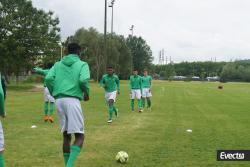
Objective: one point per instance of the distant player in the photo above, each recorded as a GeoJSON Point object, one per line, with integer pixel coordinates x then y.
{"type": "Point", "coordinates": [135, 90]}
{"type": "Point", "coordinates": [146, 89]}
{"type": "Point", "coordinates": [49, 101]}
{"type": "Point", "coordinates": [68, 82]}
{"type": "Point", "coordinates": [2, 114]}
{"type": "Point", "coordinates": [110, 82]}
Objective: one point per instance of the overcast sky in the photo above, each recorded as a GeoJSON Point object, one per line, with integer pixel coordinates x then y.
{"type": "Point", "coordinates": [188, 30]}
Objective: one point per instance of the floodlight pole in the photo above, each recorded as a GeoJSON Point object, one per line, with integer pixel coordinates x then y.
{"type": "Point", "coordinates": [61, 46]}
{"type": "Point", "coordinates": [132, 30]}
{"type": "Point", "coordinates": [112, 18]}
{"type": "Point", "coordinates": [105, 34]}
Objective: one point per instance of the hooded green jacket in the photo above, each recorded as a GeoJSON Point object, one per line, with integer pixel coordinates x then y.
{"type": "Point", "coordinates": [2, 111]}
{"type": "Point", "coordinates": [69, 78]}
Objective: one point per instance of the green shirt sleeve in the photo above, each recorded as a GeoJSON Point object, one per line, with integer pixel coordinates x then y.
{"type": "Point", "coordinates": [50, 79]}
{"type": "Point", "coordinates": [41, 71]}
{"type": "Point", "coordinates": [84, 79]}
{"type": "Point", "coordinates": [118, 83]}
{"type": "Point", "coordinates": [140, 83]}
{"type": "Point", "coordinates": [3, 86]}
{"type": "Point", "coordinates": [2, 110]}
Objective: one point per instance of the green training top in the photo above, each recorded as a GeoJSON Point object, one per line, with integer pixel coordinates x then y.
{"type": "Point", "coordinates": [42, 72]}
{"type": "Point", "coordinates": [110, 83]}
{"type": "Point", "coordinates": [135, 82]}
{"type": "Point", "coordinates": [69, 78]}
{"type": "Point", "coordinates": [2, 111]}
{"type": "Point", "coordinates": [146, 81]}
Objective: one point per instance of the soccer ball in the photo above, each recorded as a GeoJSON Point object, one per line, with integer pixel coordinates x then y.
{"type": "Point", "coordinates": [121, 157]}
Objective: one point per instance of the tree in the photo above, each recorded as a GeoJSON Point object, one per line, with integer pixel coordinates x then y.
{"type": "Point", "coordinates": [141, 52]}
{"type": "Point", "coordinates": [26, 35]}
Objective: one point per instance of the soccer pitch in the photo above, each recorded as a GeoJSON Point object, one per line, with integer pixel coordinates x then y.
{"type": "Point", "coordinates": [219, 119]}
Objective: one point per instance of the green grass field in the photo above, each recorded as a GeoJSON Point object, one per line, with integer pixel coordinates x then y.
{"type": "Point", "coordinates": [220, 119]}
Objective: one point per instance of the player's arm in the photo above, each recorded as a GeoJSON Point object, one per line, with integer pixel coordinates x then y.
{"type": "Point", "coordinates": [41, 71]}
{"type": "Point", "coordinates": [151, 83]}
{"type": "Point", "coordinates": [50, 79]}
{"type": "Point", "coordinates": [4, 87]}
{"type": "Point", "coordinates": [118, 84]}
{"type": "Point", "coordinates": [2, 111]}
{"type": "Point", "coordinates": [84, 81]}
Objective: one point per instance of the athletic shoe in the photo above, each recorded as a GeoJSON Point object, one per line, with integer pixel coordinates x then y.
{"type": "Point", "coordinates": [51, 119]}
{"type": "Point", "coordinates": [110, 121]}
{"type": "Point", "coordinates": [46, 118]}
{"type": "Point", "coordinates": [133, 110]}
{"type": "Point", "coordinates": [141, 110]}
{"type": "Point", "coordinates": [116, 113]}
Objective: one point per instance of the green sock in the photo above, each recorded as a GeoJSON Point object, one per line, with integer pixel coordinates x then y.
{"type": "Point", "coordinates": [111, 109]}
{"type": "Point", "coordinates": [149, 103]}
{"type": "Point", "coordinates": [143, 102]}
{"type": "Point", "coordinates": [114, 109]}
{"type": "Point", "coordinates": [132, 104]}
{"type": "Point", "coordinates": [1, 160]}
{"type": "Point", "coordinates": [74, 152]}
{"type": "Point", "coordinates": [140, 104]}
{"type": "Point", "coordinates": [66, 158]}
{"type": "Point", "coordinates": [46, 108]}
{"type": "Point", "coordinates": [52, 108]}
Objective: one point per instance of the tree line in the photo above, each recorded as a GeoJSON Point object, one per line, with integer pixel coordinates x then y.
{"type": "Point", "coordinates": [227, 71]}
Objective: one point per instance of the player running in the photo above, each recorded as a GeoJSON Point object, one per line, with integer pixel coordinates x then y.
{"type": "Point", "coordinates": [135, 90]}
{"type": "Point", "coordinates": [110, 82]}
{"type": "Point", "coordinates": [146, 89]}
{"type": "Point", "coordinates": [68, 82]}
{"type": "Point", "coordinates": [2, 114]}
{"type": "Point", "coordinates": [49, 101]}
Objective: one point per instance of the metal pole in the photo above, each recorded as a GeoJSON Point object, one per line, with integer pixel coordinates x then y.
{"type": "Point", "coordinates": [132, 30]}
{"type": "Point", "coordinates": [112, 21]}
{"type": "Point", "coordinates": [105, 34]}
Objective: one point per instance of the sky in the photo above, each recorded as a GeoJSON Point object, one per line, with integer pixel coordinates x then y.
{"type": "Point", "coordinates": [187, 30]}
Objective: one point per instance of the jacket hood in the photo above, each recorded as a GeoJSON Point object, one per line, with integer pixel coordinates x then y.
{"type": "Point", "coordinates": [70, 59]}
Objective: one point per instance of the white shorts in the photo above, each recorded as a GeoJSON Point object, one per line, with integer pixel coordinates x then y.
{"type": "Point", "coordinates": [70, 115]}
{"type": "Point", "coordinates": [47, 96]}
{"type": "Point", "coordinates": [146, 92]}
{"type": "Point", "coordinates": [110, 96]}
{"type": "Point", "coordinates": [135, 93]}
{"type": "Point", "coordinates": [1, 138]}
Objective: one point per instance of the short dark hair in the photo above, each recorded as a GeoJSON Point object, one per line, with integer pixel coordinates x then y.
{"type": "Point", "coordinates": [135, 69]}
{"type": "Point", "coordinates": [109, 67]}
{"type": "Point", "coordinates": [73, 48]}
